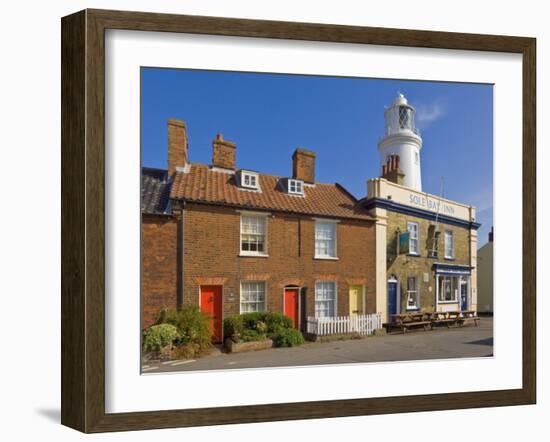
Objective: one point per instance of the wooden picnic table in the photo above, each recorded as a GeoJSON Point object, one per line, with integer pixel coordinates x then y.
{"type": "Point", "coordinates": [468, 315]}
{"type": "Point", "coordinates": [454, 317]}
{"type": "Point", "coordinates": [444, 318]}
{"type": "Point", "coordinates": [405, 321]}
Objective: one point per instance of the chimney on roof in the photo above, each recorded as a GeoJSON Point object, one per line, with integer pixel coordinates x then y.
{"type": "Point", "coordinates": [303, 165]}
{"type": "Point", "coordinates": [223, 153]}
{"type": "Point", "coordinates": [491, 235]}
{"type": "Point", "coordinates": [392, 170]}
{"type": "Point", "coordinates": [177, 145]}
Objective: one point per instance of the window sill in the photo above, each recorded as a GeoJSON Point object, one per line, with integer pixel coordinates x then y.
{"type": "Point", "coordinates": [416, 255]}
{"type": "Point", "coordinates": [448, 302]}
{"type": "Point", "coordinates": [410, 309]}
{"type": "Point", "coordinates": [448, 258]}
{"type": "Point", "coordinates": [253, 255]}
{"type": "Point", "coordinates": [329, 258]}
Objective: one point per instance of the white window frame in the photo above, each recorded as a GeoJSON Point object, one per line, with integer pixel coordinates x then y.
{"type": "Point", "coordinates": [295, 187]}
{"type": "Point", "coordinates": [263, 216]}
{"type": "Point", "coordinates": [264, 302]}
{"type": "Point", "coordinates": [454, 289]}
{"type": "Point", "coordinates": [334, 300]}
{"type": "Point", "coordinates": [252, 176]}
{"type": "Point", "coordinates": [412, 239]}
{"type": "Point", "coordinates": [449, 234]}
{"type": "Point", "coordinates": [334, 223]}
{"type": "Point", "coordinates": [416, 293]}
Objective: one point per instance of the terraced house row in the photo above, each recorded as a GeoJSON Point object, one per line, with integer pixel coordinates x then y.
{"type": "Point", "coordinates": [234, 240]}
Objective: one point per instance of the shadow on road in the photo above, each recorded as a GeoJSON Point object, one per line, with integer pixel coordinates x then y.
{"type": "Point", "coordinates": [488, 341]}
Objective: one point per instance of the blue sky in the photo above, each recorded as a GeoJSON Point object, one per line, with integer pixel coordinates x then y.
{"type": "Point", "coordinates": [342, 119]}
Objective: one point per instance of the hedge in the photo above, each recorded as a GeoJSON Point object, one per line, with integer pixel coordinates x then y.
{"type": "Point", "coordinates": [260, 325]}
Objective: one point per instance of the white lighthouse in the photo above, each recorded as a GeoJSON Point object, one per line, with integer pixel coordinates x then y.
{"type": "Point", "coordinates": [402, 138]}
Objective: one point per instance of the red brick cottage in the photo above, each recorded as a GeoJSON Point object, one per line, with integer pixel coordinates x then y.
{"type": "Point", "coordinates": [233, 240]}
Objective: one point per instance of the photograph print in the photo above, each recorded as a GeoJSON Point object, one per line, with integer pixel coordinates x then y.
{"type": "Point", "coordinates": [302, 220]}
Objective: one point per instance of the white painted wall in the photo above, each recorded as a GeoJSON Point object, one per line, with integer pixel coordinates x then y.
{"type": "Point", "coordinates": [30, 156]}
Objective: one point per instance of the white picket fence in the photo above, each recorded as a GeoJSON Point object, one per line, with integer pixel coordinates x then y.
{"type": "Point", "coordinates": [336, 325]}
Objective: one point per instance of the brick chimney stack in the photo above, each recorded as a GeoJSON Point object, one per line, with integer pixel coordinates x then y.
{"type": "Point", "coordinates": [303, 165]}
{"type": "Point", "coordinates": [392, 170]}
{"type": "Point", "coordinates": [223, 153]}
{"type": "Point", "coordinates": [177, 145]}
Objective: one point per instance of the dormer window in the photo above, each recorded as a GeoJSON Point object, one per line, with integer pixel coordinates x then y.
{"type": "Point", "coordinates": [295, 187]}
{"type": "Point", "coordinates": [249, 180]}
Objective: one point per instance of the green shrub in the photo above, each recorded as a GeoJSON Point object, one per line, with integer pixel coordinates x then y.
{"type": "Point", "coordinates": [255, 325]}
{"type": "Point", "coordinates": [252, 335]}
{"type": "Point", "coordinates": [263, 323]}
{"type": "Point", "coordinates": [288, 338]}
{"type": "Point", "coordinates": [277, 322]}
{"type": "Point", "coordinates": [261, 327]}
{"type": "Point", "coordinates": [159, 336]}
{"type": "Point", "coordinates": [233, 326]}
{"type": "Point", "coordinates": [251, 320]}
{"type": "Point", "coordinates": [192, 324]}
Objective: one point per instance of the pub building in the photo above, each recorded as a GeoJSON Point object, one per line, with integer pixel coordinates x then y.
{"type": "Point", "coordinates": [426, 245]}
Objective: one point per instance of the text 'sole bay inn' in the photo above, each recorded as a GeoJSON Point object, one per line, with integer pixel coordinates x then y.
{"type": "Point", "coordinates": [235, 240]}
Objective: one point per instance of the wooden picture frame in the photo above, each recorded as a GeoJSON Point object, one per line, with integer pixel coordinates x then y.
{"type": "Point", "coordinates": [83, 220]}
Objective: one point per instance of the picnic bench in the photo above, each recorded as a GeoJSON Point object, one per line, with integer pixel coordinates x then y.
{"type": "Point", "coordinates": [444, 318]}
{"type": "Point", "coordinates": [468, 315]}
{"type": "Point", "coordinates": [406, 321]}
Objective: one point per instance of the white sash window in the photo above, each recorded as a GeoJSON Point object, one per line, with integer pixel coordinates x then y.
{"type": "Point", "coordinates": [449, 244]}
{"type": "Point", "coordinates": [325, 299]}
{"type": "Point", "coordinates": [413, 238]}
{"type": "Point", "coordinates": [325, 239]}
{"type": "Point", "coordinates": [252, 296]}
{"type": "Point", "coordinates": [253, 235]}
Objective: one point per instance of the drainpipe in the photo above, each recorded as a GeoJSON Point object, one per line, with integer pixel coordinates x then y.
{"type": "Point", "coordinates": [179, 258]}
{"type": "Point", "coordinates": [436, 292]}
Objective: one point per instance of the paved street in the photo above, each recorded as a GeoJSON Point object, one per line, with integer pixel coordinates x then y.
{"type": "Point", "coordinates": [441, 343]}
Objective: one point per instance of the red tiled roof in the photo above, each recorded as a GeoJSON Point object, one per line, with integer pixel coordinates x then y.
{"type": "Point", "coordinates": [205, 185]}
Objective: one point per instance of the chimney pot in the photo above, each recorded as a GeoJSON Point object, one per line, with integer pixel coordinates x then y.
{"type": "Point", "coordinates": [391, 170]}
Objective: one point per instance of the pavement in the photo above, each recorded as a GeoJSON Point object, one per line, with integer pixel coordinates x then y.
{"type": "Point", "coordinates": [441, 343]}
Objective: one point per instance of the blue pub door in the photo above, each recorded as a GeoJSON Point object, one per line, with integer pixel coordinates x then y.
{"type": "Point", "coordinates": [392, 298]}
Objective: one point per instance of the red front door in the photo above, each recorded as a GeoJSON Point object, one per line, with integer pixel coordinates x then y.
{"type": "Point", "coordinates": [291, 305]}
{"type": "Point", "coordinates": [211, 304]}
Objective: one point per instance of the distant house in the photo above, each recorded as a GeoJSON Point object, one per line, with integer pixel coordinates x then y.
{"type": "Point", "coordinates": [485, 277]}
{"type": "Point", "coordinates": [234, 240]}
